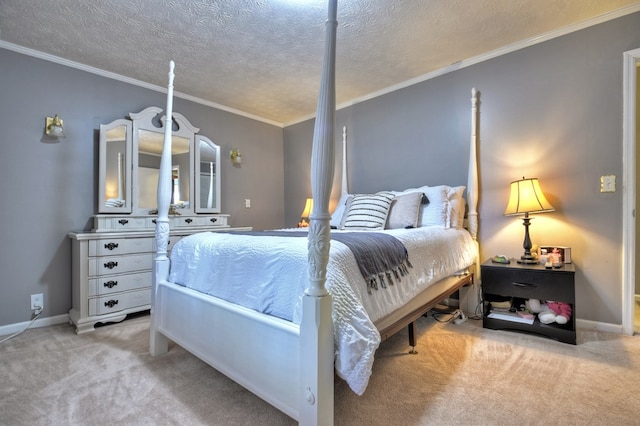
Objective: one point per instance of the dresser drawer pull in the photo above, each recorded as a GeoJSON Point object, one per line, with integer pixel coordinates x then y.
{"type": "Point", "coordinates": [154, 221]}
{"type": "Point", "coordinates": [111, 303]}
{"type": "Point", "coordinates": [111, 284]}
{"type": "Point", "coordinates": [188, 220]}
{"type": "Point", "coordinates": [517, 284]}
{"type": "Point", "coordinates": [123, 221]}
{"type": "Point", "coordinates": [111, 246]}
{"type": "Point", "coordinates": [213, 219]}
{"type": "Point", "coordinates": [111, 265]}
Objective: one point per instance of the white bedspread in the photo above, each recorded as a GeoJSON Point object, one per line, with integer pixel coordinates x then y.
{"type": "Point", "coordinates": [269, 274]}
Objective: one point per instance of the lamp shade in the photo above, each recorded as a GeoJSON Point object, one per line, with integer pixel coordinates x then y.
{"type": "Point", "coordinates": [527, 197]}
{"type": "Point", "coordinates": [307, 209]}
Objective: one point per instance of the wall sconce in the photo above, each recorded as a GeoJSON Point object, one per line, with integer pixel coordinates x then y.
{"type": "Point", "coordinates": [236, 157]}
{"type": "Point", "coordinates": [304, 217]}
{"type": "Point", "coordinates": [53, 127]}
{"type": "Point", "coordinates": [527, 197]}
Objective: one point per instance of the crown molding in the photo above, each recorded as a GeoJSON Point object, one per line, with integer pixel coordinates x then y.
{"type": "Point", "coordinates": [108, 74]}
{"type": "Point", "coordinates": [487, 56]}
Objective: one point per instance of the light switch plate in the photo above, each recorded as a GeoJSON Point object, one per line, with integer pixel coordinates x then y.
{"type": "Point", "coordinates": [608, 183]}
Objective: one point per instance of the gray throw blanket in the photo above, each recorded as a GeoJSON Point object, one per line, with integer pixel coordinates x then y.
{"type": "Point", "coordinates": [381, 258]}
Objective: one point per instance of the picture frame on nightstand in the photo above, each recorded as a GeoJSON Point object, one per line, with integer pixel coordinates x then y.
{"type": "Point", "coordinates": [563, 251]}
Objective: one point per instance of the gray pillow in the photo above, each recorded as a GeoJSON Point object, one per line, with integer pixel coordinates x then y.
{"type": "Point", "coordinates": [405, 211]}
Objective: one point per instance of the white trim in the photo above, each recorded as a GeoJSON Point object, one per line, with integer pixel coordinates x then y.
{"type": "Point", "coordinates": [598, 326]}
{"type": "Point", "coordinates": [631, 61]}
{"type": "Point", "coordinates": [635, 7]}
{"type": "Point", "coordinates": [8, 329]}
{"type": "Point", "coordinates": [128, 80]}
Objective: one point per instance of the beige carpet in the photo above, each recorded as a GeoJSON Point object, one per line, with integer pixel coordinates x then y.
{"type": "Point", "coordinates": [463, 375]}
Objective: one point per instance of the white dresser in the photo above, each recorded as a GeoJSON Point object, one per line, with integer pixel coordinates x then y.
{"type": "Point", "coordinates": [111, 265]}
{"type": "Point", "coordinates": [111, 273]}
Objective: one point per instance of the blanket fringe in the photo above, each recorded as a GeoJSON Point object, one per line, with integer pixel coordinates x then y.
{"type": "Point", "coordinates": [390, 277]}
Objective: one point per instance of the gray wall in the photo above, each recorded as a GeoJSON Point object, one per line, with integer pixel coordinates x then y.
{"type": "Point", "coordinates": [48, 189]}
{"type": "Point", "coordinates": [552, 111]}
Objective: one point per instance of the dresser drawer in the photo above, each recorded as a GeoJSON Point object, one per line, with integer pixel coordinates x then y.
{"type": "Point", "coordinates": [108, 265]}
{"type": "Point", "coordinates": [119, 301]}
{"type": "Point", "coordinates": [118, 246]}
{"type": "Point", "coordinates": [120, 223]}
{"type": "Point", "coordinates": [529, 284]}
{"type": "Point", "coordinates": [178, 222]}
{"type": "Point", "coordinates": [117, 283]}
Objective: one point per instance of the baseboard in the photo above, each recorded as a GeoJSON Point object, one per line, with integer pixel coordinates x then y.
{"type": "Point", "coordinates": [599, 326]}
{"type": "Point", "coordinates": [61, 319]}
{"type": "Point", "coordinates": [5, 330]}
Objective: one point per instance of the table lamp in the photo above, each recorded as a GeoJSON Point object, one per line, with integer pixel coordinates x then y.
{"type": "Point", "coordinates": [308, 207]}
{"type": "Point", "coordinates": [527, 197]}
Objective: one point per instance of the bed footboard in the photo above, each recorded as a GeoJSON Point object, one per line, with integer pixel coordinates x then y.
{"type": "Point", "coordinates": [258, 351]}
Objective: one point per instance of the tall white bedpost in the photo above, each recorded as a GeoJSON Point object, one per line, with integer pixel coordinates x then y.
{"type": "Point", "coordinates": [472, 179]}
{"type": "Point", "coordinates": [345, 183]}
{"type": "Point", "coordinates": [471, 296]}
{"type": "Point", "coordinates": [316, 327]}
{"type": "Point", "coordinates": [158, 343]}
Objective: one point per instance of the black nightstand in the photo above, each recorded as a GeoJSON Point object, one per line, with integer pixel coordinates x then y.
{"type": "Point", "coordinates": [500, 281]}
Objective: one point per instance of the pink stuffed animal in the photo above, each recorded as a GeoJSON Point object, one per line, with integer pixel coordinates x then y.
{"type": "Point", "coordinates": [558, 312]}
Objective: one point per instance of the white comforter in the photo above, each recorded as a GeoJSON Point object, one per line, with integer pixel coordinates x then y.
{"type": "Point", "coordinates": [269, 274]}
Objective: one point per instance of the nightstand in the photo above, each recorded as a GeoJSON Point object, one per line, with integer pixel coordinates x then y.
{"type": "Point", "coordinates": [514, 280]}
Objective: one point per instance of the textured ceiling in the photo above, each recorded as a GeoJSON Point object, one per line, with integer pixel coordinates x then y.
{"type": "Point", "coordinates": [263, 57]}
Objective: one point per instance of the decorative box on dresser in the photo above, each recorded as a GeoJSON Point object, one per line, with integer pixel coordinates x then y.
{"type": "Point", "coordinates": [500, 281]}
{"type": "Point", "coordinates": [111, 271]}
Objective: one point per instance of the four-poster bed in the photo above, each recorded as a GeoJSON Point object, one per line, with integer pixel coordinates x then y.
{"type": "Point", "coordinates": [289, 362]}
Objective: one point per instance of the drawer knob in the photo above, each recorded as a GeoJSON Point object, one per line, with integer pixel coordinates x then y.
{"type": "Point", "coordinates": [111, 284]}
{"type": "Point", "coordinates": [111, 265]}
{"type": "Point", "coordinates": [123, 221]}
{"type": "Point", "coordinates": [188, 220]}
{"type": "Point", "coordinates": [111, 246]}
{"type": "Point", "coordinates": [154, 221]}
{"type": "Point", "coordinates": [111, 303]}
{"type": "Point", "coordinates": [213, 219]}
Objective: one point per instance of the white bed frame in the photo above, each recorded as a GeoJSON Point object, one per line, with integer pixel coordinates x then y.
{"type": "Point", "coordinates": [288, 365]}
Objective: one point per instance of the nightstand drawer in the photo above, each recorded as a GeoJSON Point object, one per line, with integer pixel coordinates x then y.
{"type": "Point", "coordinates": [547, 284]}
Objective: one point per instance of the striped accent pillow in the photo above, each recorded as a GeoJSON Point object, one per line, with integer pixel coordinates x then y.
{"type": "Point", "coordinates": [368, 211]}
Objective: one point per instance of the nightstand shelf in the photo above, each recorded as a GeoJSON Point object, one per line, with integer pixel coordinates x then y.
{"type": "Point", "coordinates": [514, 280]}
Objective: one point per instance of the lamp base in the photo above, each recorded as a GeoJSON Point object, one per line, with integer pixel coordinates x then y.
{"type": "Point", "coordinates": [527, 259]}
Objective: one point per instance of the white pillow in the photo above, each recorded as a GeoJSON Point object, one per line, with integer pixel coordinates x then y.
{"type": "Point", "coordinates": [338, 213]}
{"type": "Point", "coordinates": [404, 211]}
{"type": "Point", "coordinates": [434, 211]}
{"type": "Point", "coordinates": [368, 211]}
{"type": "Point", "coordinates": [456, 207]}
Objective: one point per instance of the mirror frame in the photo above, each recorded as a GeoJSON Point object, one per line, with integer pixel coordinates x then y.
{"type": "Point", "coordinates": [143, 120]}
{"type": "Point", "coordinates": [103, 166]}
{"type": "Point", "coordinates": [197, 173]}
{"type": "Point", "coordinates": [151, 120]}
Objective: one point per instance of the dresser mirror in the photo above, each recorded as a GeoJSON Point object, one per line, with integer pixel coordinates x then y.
{"type": "Point", "coordinates": [130, 153]}
{"type": "Point", "coordinates": [207, 180]}
{"type": "Point", "coordinates": [115, 167]}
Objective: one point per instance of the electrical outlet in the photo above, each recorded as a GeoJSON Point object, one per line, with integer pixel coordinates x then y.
{"type": "Point", "coordinates": [37, 302]}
